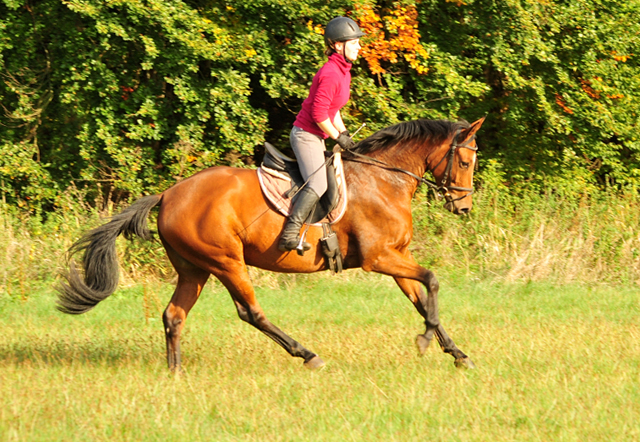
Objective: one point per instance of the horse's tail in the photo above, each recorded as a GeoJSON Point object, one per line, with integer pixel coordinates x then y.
{"type": "Point", "coordinates": [80, 294]}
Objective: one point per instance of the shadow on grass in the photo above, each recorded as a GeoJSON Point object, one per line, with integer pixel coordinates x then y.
{"type": "Point", "coordinates": [104, 352]}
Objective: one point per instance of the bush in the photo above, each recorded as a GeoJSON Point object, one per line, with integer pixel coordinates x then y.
{"type": "Point", "coordinates": [123, 98]}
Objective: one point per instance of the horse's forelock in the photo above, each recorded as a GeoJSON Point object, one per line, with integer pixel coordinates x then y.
{"type": "Point", "coordinates": [410, 131]}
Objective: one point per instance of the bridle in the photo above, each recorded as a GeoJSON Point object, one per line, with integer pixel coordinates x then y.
{"type": "Point", "coordinates": [442, 189]}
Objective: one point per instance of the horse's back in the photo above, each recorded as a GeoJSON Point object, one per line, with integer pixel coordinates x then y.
{"type": "Point", "coordinates": [214, 186]}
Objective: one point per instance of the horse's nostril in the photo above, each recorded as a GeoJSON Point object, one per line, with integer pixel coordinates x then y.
{"type": "Point", "coordinates": [464, 210]}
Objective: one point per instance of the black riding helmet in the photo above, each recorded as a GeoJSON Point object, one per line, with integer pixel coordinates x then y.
{"type": "Point", "coordinates": [341, 29]}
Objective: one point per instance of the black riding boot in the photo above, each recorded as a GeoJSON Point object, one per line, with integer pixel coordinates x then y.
{"type": "Point", "coordinates": [290, 237]}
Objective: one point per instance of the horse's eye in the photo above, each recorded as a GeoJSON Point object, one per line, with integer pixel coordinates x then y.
{"type": "Point", "coordinates": [464, 164]}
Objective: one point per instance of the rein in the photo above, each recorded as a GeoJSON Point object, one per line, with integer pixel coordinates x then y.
{"type": "Point", "coordinates": [443, 188]}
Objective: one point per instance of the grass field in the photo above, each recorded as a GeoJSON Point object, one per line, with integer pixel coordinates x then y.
{"type": "Point", "coordinates": [554, 363]}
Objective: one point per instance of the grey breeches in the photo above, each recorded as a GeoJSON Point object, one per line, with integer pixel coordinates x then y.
{"type": "Point", "coordinates": [309, 150]}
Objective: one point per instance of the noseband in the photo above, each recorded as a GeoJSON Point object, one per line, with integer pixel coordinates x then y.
{"type": "Point", "coordinates": [442, 189]}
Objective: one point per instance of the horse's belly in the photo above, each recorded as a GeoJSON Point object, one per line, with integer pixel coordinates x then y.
{"type": "Point", "coordinates": [261, 250]}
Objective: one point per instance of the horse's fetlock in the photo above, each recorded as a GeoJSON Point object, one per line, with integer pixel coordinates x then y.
{"type": "Point", "coordinates": [431, 323]}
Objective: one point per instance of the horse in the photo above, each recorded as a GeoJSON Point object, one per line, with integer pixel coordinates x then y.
{"type": "Point", "coordinates": [217, 222]}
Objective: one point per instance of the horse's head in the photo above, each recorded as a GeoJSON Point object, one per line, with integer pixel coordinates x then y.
{"type": "Point", "coordinates": [454, 171]}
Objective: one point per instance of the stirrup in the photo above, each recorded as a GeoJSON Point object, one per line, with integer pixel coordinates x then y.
{"type": "Point", "coordinates": [295, 244]}
{"type": "Point", "coordinates": [303, 246]}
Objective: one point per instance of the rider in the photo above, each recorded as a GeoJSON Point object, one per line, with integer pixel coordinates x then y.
{"type": "Point", "coordinates": [320, 119]}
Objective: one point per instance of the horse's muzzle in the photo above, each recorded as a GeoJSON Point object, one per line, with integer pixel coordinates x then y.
{"type": "Point", "coordinates": [457, 207]}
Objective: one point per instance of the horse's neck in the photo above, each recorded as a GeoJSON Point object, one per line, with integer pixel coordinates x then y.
{"type": "Point", "coordinates": [363, 170]}
{"type": "Point", "coordinates": [408, 157]}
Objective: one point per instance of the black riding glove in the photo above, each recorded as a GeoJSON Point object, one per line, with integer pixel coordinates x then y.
{"type": "Point", "coordinates": [345, 141]}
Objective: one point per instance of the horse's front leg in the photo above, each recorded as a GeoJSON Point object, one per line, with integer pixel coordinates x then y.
{"type": "Point", "coordinates": [412, 280]}
{"type": "Point", "coordinates": [427, 306]}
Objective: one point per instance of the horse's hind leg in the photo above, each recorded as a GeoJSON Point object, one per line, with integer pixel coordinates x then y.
{"type": "Point", "coordinates": [427, 306]}
{"type": "Point", "coordinates": [236, 280]}
{"type": "Point", "coordinates": [188, 289]}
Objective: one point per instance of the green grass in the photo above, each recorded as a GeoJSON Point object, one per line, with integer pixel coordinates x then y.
{"type": "Point", "coordinates": [557, 363]}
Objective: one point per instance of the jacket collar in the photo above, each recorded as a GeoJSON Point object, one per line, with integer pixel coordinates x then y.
{"type": "Point", "coordinates": [341, 62]}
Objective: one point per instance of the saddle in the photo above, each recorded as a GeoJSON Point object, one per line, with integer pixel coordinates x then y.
{"type": "Point", "coordinates": [280, 181]}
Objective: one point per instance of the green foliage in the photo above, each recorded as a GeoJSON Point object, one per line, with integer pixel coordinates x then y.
{"type": "Point", "coordinates": [124, 97]}
{"type": "Point", "coordinates": [563, 102]}
{"type": "Point", "coordinates": [129, 93]}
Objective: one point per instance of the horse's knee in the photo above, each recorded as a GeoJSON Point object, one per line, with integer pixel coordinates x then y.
{"type": "Point", "coordinates": [260, 319]}
{"type": "Point", "coordinates": [172, 322]}
{"type": "Point", "coordinates": [431, 282]}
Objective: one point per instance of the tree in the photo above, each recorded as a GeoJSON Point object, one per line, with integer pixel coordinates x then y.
{"type": "Point", "coordinates": [127, 96]}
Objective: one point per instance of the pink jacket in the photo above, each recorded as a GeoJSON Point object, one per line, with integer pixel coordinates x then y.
{"type": "Point", "coordinates": [329, 92]}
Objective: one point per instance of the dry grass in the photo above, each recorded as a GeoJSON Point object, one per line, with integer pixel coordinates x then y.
{"type": "Point", "coordinates": [534, 238]}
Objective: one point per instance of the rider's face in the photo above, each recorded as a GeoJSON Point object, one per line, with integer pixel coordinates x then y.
{"type": "Point", "coordinates": [351, 49]}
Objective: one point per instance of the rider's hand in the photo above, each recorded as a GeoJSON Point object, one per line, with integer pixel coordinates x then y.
{"type": "Point", "coordinates": [345, 141]}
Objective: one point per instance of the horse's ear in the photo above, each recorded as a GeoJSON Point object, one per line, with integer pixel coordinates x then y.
{"type": "Point", "coordinates": [471, 131]}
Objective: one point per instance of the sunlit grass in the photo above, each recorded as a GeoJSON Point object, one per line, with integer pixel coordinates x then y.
{"type": "Point", "coordinates": [553, 363]}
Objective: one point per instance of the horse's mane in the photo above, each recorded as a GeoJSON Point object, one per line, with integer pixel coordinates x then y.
{"type": "Point", "coordinates": [414, 131]}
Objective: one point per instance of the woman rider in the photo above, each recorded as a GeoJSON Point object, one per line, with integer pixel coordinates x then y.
{"type": "Point", "coordinates": [320, 119]}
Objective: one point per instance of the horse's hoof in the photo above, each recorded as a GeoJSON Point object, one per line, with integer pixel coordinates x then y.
{"type": "Point", "coordinates": [465, 363]}
{"type": "Point", "coordinates": [422, 343]}
{"type": "Point", "coordinates": [314, 363]}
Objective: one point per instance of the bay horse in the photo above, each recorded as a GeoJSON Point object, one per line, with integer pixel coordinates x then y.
{"type": "Point", "coordinates": [217, 222]}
